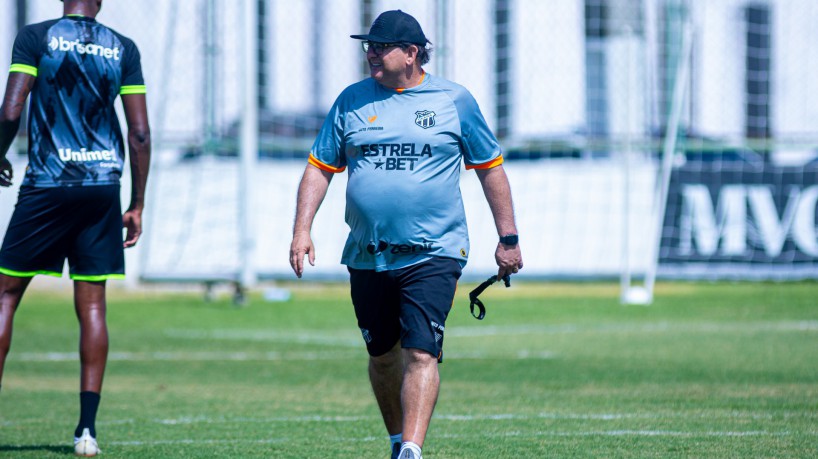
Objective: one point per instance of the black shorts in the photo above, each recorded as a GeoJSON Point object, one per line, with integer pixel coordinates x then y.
{"type": "Point", "coordinates": [80, 224]}
{"type": "Point", "coordinates": [408, 304]}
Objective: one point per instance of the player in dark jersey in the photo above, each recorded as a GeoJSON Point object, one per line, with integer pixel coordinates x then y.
{"type": "Point", "coordinates": [69, 202]}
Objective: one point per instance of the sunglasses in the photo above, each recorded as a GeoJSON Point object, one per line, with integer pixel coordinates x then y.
{"type": "Point", "coordinates": [378, 48]}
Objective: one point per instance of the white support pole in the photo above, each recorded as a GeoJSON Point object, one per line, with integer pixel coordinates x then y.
{"type": "Point", "coordinates": [157, 138]}
{"type": "Point", "coordinates": [668, 151]}
{"type": "Point", "coordinates": [211, 52]}
{"type": "Point", "coordinates": [441, 53]}
{"type": "Point", "coordinates": [248, 143]}
{"type": "Point", "coordinates": [626, 275]}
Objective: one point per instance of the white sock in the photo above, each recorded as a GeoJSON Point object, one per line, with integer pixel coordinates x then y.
{"type": "Point", "coordinates": [412, 446]}
{"type": "Point", "coordinates": [394, 439]}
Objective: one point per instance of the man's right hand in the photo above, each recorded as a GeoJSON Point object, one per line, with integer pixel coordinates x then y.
{"type": "Point", "coordinates": [301, 245]}
{"type": "Point", "coordinates": [6, 172]}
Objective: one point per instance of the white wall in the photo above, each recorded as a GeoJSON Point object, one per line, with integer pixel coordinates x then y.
{"type": "Point", "coordinates": [570, 219]}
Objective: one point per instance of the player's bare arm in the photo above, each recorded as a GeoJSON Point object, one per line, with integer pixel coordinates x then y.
{"type": "Point", "coordinates": [311, 193]}
{"type": "Point", "coordinates": [498, 194]}
{"type": "Point", "coordinates": [17, 89]}
{"type": "Point", "coordinates": [139, 147]}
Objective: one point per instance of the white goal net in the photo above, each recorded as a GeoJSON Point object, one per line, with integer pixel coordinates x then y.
{"type": "Point", "coordinates": [579, 92]}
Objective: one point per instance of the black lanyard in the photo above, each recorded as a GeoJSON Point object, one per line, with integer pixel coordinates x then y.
{"type": "Point", "coordinates": [477, 291]}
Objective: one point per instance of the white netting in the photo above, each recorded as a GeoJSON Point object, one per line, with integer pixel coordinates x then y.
{"type": "Point", "coordinates": [579, 92]}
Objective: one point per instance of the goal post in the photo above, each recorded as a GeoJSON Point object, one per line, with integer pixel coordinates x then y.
{"type": "Point", "coordinates": [633, 294]}
{"type": "Point", "coordinates": [248, 150]}
{"type": "Point", "coordinates": [668, 152]}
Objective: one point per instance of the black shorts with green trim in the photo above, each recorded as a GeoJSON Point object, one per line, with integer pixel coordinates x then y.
{"type": "Point", "coordinates": [410, 304]}
{"type": "Point", "coordinates": [80, 224]}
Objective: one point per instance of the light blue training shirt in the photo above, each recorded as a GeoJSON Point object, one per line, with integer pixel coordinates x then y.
{"type": "Point", "coordinates": [402, 149]}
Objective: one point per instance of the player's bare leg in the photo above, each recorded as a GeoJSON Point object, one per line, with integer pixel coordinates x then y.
{"type": "Point", "coordinates": [11, 291]}
{"type": "Point", "coordinates": [421, 383]}
{"type": "Point", "coordinates": [386, 376]}
{"type": "Point", "coordinates": [90, 306]}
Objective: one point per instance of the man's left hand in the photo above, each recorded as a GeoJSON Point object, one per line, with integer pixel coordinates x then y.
{"type": "Point", "coordinates": [509, 259]}
{"type": "Point", "coordinates": [132, 222]}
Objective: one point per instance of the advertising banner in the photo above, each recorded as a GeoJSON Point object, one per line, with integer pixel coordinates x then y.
{"type": "Point", "coordinates": [741, 219]}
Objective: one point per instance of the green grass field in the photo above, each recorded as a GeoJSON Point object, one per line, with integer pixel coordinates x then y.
{"type": "Point", "coordinates": [555, 370]}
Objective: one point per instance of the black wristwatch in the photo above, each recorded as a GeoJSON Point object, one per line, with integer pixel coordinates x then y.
{"type": "Point", "coordinates": [510, 239]}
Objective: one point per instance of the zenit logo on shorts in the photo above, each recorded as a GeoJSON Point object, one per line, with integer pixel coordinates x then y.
{"type": "Point", "coordinates": [81, 68]}
{"type": "Point", "coordinates": [404, 151]}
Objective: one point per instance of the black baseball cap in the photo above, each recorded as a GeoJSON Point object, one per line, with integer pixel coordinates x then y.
{"type": "Point", "coordinates": [395, 27]}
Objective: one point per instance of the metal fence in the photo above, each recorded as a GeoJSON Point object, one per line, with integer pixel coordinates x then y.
{"type": "Point", "coordinates": [578, 91]}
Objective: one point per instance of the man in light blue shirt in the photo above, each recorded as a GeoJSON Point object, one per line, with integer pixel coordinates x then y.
{"type": "Point", "coordinates": [402, 134]}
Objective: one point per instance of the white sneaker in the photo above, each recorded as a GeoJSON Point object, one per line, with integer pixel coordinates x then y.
{"type": "Point", "coordinates": [86, 445]}
{"type": "Point", "coordinates": [409, 454]}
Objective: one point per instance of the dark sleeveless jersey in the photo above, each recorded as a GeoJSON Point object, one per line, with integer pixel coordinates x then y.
{"type": "Point", "coordinates": [81, 67]}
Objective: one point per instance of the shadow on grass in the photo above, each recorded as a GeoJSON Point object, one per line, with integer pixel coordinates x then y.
{"type": "Point", "coordinates": [61, 449]}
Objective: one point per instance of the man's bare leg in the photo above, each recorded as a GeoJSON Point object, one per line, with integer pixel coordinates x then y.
{"type": "Point", "coordinates": [386, 377]}
{"type": "Point", "coordinates": [90, 306]}
{"type": "Point", "coordinates": [421, 383]}
{"type": "Point", "coordinates": [11, 291]}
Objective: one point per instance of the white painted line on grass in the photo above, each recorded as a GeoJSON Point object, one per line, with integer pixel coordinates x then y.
{"type": "Point", "coordinates": [350, 339]}
{"type": "Point", "coordinates": [343, 419]}
{"type": "Point", "coordinates": [204, 441]}
{"type": "Point", "coordinates": [203, 419]}
{"type": "Point", "coordinates": [181, 356]}
{"type": "Point", "coordinates": [263, 420]}
{"type": "Point", "coordinates": [294, 356]}
{"type": "Point", "coordinates": [516, 417]}
{"type": "Point", "coordinates": [634, 433]}
{"type": "Point", "coordinates": [484, 417]}
{"type": "Point", "coordinates": [657, 327]}
{"type": "Point", "coordinates": [483, 435]}
{"type": "Point", "coordinates": [515, 434]}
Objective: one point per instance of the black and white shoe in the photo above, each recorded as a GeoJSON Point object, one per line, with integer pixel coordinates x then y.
{"type": "Point", "coordinates": [85, 445]}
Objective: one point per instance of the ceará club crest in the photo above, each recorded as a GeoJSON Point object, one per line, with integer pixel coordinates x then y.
{"type": "Point", "coordinates": [425, 118]}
